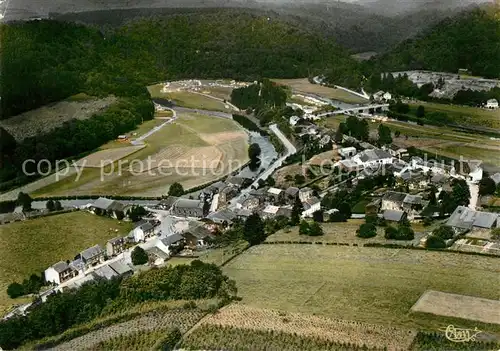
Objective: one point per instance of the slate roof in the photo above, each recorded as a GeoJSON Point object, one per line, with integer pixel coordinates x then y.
{"type": "Point", "coordinates": [188, 203]}
{"type": "Point", "coordinates": [243, 212]}
{"type": "Point", "coordinates": [172, 239]}
{"type": "Point", "coordinates": [120, 268]}
{"type": "Point", "coordinates": [438, 178]}
{"type": "Point", "coordinates": [393, 216]}
{"type": "Point", "coordinates": [105, 272]}
{"type": "Point", "coordinates": [169, 201]}
{"type": "Point", "coordinates": [292, 191]}
{"type": "Point", "coordinates": [103, 203]}
{"type": "Point", "coordinates": [394, 196]}
{"type": "Point", "coordinates": [373, 155]}
{"type": "Point", "coordinates": [466, 218]}
{"type": "Point", "coordinates": [77, 264]}
{"type": "Point", "coordinates": [239, 181]}
{"type": "Point", "coordinates": [91, 252]}
{"type": "Point", "coordinates": [413, 199]}
{"type": "Point", "coordinates": [60, 267]}
{"type": "Point", "coordinates": [222, 215]}
{"type": "Point", "coordinates": [157, 252]}
{"type": "Point", "coordinates": [146, 227]}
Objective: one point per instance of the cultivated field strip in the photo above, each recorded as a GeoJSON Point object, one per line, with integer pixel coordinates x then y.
{"type": "Point", "coordinates": [107, 157]}
{"type": "Point", "coordinates": [181, 319]}
{"type": "Point", "coordinates": [338, 331]}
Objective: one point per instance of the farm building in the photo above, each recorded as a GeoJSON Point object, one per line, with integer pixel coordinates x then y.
{"type": "Point", "coordinates": [393, 200]}
{"type": "Point", "coordinates": [112, 208]}
{"type": "Point", "coordinates": [311, 205]}
{"type": "Point", "coordinates": [142, 232]}
{"type": "Point", "coordinates": [464, 219]}
{"type": "Point", "coordinates": [492, 104]}
{"type": "Point", "coordinates": [224, 217]}
{"type": "Point", "coordinates": [394, 216]}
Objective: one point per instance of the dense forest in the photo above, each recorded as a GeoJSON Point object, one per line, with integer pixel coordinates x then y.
{"type": "Point", "coordinates": [470, 41]}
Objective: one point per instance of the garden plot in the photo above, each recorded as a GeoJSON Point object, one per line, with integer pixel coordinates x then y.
{"type": "Point", "coordinates": [106, 157]}
{"type": "Point", "coordinates": [460, 306]}
{"type": "Point", "coordinates": [339, 331]}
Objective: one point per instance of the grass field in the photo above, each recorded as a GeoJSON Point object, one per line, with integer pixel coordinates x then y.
{"type": "Point", "coordinates": [196, 134]}
{"type": "Point", "coordinates": [188, 99]}
{"type": "Point", "coordinates": [303, 85]}
{"type": "Point", "coordinates": [32, 246]}
{"type": "Point", "coordinates": [464, 115]}
{"type": "Point", "coordinates": [371, 285]}
{"type": "Point", "coordinates": [341, 232]}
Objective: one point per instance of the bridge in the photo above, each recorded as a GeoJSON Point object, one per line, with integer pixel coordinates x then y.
{"type": "Point", "coordinates": [358, 109]}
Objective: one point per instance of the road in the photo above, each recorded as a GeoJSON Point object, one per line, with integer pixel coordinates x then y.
{"type": "Point", "coordinates": [290, 150]}
{"type": "Point", "coordinates": [364, 95]}
{"type": "Point", "coordinates": [354, 109]}
{"type": "Point", "coordinates": [140, 140]}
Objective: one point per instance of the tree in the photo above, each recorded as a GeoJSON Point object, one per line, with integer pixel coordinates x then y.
{"type": "Point", "coordinates": [176, 189]}
{"type": "Point", "coordinates": [420, 111]}
{"type": "Point", "coordinates": [391, 232]}
{"type": "Point", "coordinates": [345, 210]}
{"type": "Point", "coordinates": [271, 181]}
{"type": "Point", "coordinates": [57, 205]}
{"type": "Point", "coordinates": [445, 232]}
{"type": "Point", "coordinates": [384, 135]}
{"type": "Point", "coordinates": [136, 213]}
{"type": "Point", "coordinates": [434, 242]}
{"type": "Point", "coordinates": [367, 230]}
{"type": "Point", "coordinates": [460, 193]}
{"type": "Point", "coordinates": [25, 201]}
{"type": "Point", "coordinates": [397, 133]}
{"type": "Point", "coordinates": [299, 179]}
{"type": "Point", "coordinates": [315, 229]}
{"type": "Point", "coordinates": [297, 210]}
{"type": "Point", "coordinates": [253, 230]}
{"type": "Point", "coordinates": [139, 256]}
{"type": "Point", "coordinates": [304, 227]}
{"type": "Point", "coordinates": [318, 216]}
{"type": "Point", "coordinates": [339, 136]}
{"type": "Point", "coordinates": [15, 290]}
{"type": "Point", "coordinates": [487, 186]}
{"type": "Point", "coordinates": [50, 205]}
{"type": "Point", "coordinates": [254, 152]}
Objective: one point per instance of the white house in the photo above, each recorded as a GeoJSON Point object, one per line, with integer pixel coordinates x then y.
{"type": "Point", "coordinates": [347, 152]}
{"type": "Point", "coordinates": [492, 104]}
{"type": "Point", "coordinates": [372, 158]}
{"type": "Point", "coordinates": [294, 120]}
{"type": "Point", "coordinates": [387, 96]}
{"type": "Point", "coordinates": [142, 232]}
{"type": "Point", "coordinates": [311, 205]}
{"type": "Point", "coordinates": [59, 273]}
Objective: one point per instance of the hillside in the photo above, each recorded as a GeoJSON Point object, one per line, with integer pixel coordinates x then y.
{"type": "Point", "coordinates": [470, 40]}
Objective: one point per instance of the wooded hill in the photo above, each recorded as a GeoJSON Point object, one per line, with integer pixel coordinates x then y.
{"type": "Point", "coordinates": [470, 40]}
{"type": "Point", "coordinates": [45, 61]}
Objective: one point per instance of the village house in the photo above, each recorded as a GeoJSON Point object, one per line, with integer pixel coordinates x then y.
{"type": "Point", "coordinates": [350, 166]}
{"type": "Point", "coordinates": [414, 180]}
{"type": "Point", "coordinates": [496, 178]}
{"type": "Point", "coordinates": [370, 158]}
{"type": "Point", "coordinates": [223, 217]}
{"type": "Point", "coordinates": [394, 216]}
{"type": "Point", "coordinates": [270, 211]}
{"type": "Point", "coordinates": [78, 265]}
{"type": "Point", "coordinates": [188, 208]}
{"type": "Point", "coordinates": [121, 269]}
{"type": "Point", "coordinates": [107, 207]}
{"type": "Point", "coordinates": [92, 256]}
{"type": "Point", "coordinates": [464, 219]}
{"type": "Point", "coordinates": [243, 213]}
{"type": "Point", "coordinates": [142, 232]}
{"type": "Point", "coordinates": [59, 273]}
{"type": "Point", "coordinates": [276, 194]}
{"type": "Point", "coordinates": [347, 152]}
{"type": "Point", "coordinates": [311, 205]}
{"type": "Point", "coordinates": [294, 120]}
{"type": "Point", "coordinates": [393, 200]}
{"type": "Point", "coordinates": [285, 211]}
{"type": "Point", "coordinates": [115, 246]}
{"type": "Point", "coordinates": [396, 151]}
{"type": "Point", "coordinates": [492, 104]}
{"type": "Point", "coordinates": [305, 193]}
{"type": "Point", "coordinates": [226, 194]}
{"type": "Point", "coordinates": [291, 194]}
{"type": "Point", "coordinates": [248, 203]}
{"type": "Point", "coordinates": [373, 207]}
{"type": "Point", "coordinates": [239, 182]}
{"type": "Point", "coordinates": [197, 235]}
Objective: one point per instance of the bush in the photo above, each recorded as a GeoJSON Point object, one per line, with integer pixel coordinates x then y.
{"type": "Point", "coordinates": [391, 232]}
{"type": "Point", "coordinates": [367, 230]}
{"type": "Point", "coordinates": [435, 242]}
{"type": "Point", "coordinates": [139, 256]}
{"type": "Point", "coordinates": [15, 290]}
